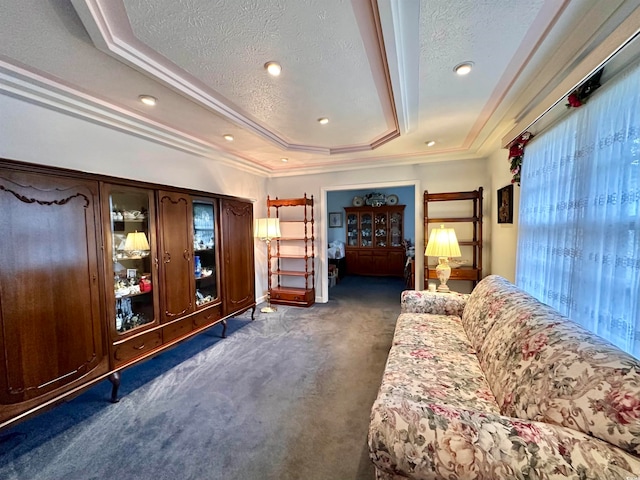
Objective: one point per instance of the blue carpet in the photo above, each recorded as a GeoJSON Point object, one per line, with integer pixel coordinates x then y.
{"type": "Point", "coordinates": [284, 397]}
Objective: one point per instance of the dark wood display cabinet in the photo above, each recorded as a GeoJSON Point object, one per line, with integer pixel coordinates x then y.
{"type": "Point", "coordinates": [374, 240]}
{"type": "Point", "coordinates": [98, 273]}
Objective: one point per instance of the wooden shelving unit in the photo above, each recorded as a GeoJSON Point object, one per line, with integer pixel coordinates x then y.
{"type": "Point", "coordinates": [291, 258]}
{"type": "Point", "coordinates": [472, 272]}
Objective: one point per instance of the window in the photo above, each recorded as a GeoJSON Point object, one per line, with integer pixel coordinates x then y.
{"type": "Point", "coordinates": [579, 230]}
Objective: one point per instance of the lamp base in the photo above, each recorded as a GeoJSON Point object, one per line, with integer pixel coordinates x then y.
{"type": "Point", "coordinates": [269, 308]}
{"type": "Point", "coordinates": [443, 272]}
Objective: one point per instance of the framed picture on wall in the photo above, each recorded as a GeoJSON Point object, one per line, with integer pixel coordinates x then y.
{"type": "Point", "coordinates": [505, 204]}
{"type": "Point", "coordinates": [335, 219]}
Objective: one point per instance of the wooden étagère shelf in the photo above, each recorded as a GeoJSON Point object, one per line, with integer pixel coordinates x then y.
{"type": "Point", "coordinates": [473, 272]}
{"type": "Point", "coordinates": [291, 258]}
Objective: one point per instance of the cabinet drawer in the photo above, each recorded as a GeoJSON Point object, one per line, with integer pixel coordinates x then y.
{"type": "Point", "coordinates": [176, 329]}
{"type": "Point", "coordinates": [136, 347]}
{"type": "Point", "coordinates": [457, 273]}
{"type": "Point", "coordinates": [207, 317]}
{"type": "Point", "coordinates": [293, 296]}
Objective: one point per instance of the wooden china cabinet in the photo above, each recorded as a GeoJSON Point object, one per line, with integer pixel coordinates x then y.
{"type": "Point", "coordinates": [98, 273]}
{"type": "Point", "coordinates": [374, 240]}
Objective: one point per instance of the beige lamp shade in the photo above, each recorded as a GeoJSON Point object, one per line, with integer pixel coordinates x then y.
{"type": "Point", "coordinates": [443, 243]}
{"type": "Point", "coordinates": [136, 242]}
{"type": "Point", "coordinates": [266, 228]}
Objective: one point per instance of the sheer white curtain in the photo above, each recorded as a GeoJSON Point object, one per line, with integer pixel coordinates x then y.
{"type": "Point", "coordinates": [579, 222]}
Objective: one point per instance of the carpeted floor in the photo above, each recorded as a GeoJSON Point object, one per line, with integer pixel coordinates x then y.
{"type": "Point", "coordinates": [284, 397]}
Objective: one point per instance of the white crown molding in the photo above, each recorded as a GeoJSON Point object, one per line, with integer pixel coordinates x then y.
{"type": "Point", "coordinates": [421, 158]}
{"type": "Point", "coordinates": [108, 26]}
{"type": "Point", "coordinates": [400, 21]}
{"type": "Point", "coordinates": [49, 93]}
{"type": "Point", "coordinates": [593, 61]}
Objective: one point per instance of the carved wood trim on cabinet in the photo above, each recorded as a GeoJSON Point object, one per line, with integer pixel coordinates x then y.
{"type": "Point", "coordinates": [174, 209]}
{"type": "Point", "coordinates": [45, 272]}
{"type": "Point", "coordinates": [237, 246]}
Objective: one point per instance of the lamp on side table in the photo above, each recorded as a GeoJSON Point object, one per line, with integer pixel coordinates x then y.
{"type": "Point", "coordinates": [443, 244]}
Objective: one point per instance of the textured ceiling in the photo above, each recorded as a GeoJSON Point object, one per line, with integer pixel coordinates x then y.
{"type": "Point", "coordinates": [225, 45]}
{"type": "Point", "coordinates": [380, 70]}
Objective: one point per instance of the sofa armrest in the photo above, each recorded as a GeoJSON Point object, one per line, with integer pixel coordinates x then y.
{"type": "Point", "coordinates": [434, 441]}
{"type": "Point", "coordinates": [423, 301]}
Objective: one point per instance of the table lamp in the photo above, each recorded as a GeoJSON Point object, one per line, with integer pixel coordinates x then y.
{"type": "Point", "coordinates": [443, 244]}
{"type": "Point", "coordinates": [136, 244]}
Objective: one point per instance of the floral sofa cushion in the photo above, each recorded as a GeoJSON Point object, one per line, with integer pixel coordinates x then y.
{"type": "Point", "coordinates": [430, 331]}
{"type": "Point", "coordinates": [481, 311]}
{"type": "Point", "coordinates": [544, 367]}
{"type": "Point", "coordinates": [422, 440]}
{"type": "Point", "coordinates": [416, 301]}
{"type": "Point", "coordinates": [424, 364]}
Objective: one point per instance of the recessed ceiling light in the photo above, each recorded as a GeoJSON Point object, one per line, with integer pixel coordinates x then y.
{"type": "Point", "coordinates": [284, 160]}
{"type": "Point", "coordinates": [430, 143]}
{"type": "Point", "coordinates": [228, 137]}
{"type": "Point", "coordinates": [323, 120]}
{"type": "Point", "coordinates": [463, 68]}
{"type": "Point", "coordinates": [148, 99]}
{"type": "Point", "coordinates": [273, 68]}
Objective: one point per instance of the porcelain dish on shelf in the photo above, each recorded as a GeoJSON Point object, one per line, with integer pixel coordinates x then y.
{"type": "Point", "coordinates": [392, 199]}
{"type": "Point", "coordinates": [358, 201]}
{"type": "Point", "coordinates": [133, 215]}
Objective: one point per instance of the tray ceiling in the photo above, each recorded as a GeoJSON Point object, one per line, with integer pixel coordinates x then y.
{"type": "Point", "coordinates": [380, 71]}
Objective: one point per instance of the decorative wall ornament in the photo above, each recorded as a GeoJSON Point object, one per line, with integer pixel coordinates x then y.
{"type": "Point", "coordinates": [505, 204]}
{"type": "Point", "coordinates": [516, 152]}
{"type": "Point", "coordinates": [335, 219]}
{"type": "Point", "coordinates": [580, 95]}
{"type": "Point", "coordinates": [375, 199]}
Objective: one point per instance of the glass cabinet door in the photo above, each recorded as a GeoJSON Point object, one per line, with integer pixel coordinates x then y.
{"type": "Point", "coordinates": [132, 250]}
{"type": "Point", "coordinates": [352, 230]}
{"type": "Point", "coordinates": [204, 252]}
{"type": "Point", "coordinates": [366, 232]}
{"type": "Point", "coordinates": [396, 229]}
{"type": "Point", "coordinates": [380, 229]}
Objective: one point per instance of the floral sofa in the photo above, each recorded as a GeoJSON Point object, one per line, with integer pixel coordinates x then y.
{"type": "Point", "coordinates": [496, 385]}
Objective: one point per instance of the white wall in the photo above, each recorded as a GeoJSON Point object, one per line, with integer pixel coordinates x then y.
{"type": "Point", "coordinates": [464, 175]}
{"type": "Point", "coordinates": [31, 133]}
{"type": "Point", "coordinates": [505, 236]}
{"type": "Point", "coordinates": [35, 134]}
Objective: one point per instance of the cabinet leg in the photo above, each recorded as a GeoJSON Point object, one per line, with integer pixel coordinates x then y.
{"type": "Point", "coordinates": [253, 313]}
{"type": "Point", "coordinates": [224, 329]}
{"type": "Point", "coordinates": [114, 378]}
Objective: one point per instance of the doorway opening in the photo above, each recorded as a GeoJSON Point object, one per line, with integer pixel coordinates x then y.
{"type": "Point", "coordinates": [334, 236]}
